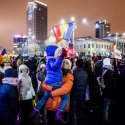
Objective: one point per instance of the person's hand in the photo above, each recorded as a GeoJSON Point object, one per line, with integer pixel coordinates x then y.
{"type": "Point", "coordinates": [46, 87]}
{"type": "Point", "coordinates": [64, 53]}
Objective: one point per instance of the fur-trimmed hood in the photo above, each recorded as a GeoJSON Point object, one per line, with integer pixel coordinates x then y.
{"type": "Point", "coordinates": [10, 80]}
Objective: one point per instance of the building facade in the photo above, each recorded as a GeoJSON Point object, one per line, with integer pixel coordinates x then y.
{"type": "Point", "coordinates": [102, 29]}
{"type": "Point", "coordinates": [118, 40]}
{"type": "Point", "coordinates": [36, 24]}
{"type": "Point", "coordinates": [20, 44]}
{"type": "Point", "coordinates": [90, 45]}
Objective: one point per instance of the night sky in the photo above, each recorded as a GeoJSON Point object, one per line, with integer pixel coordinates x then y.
{"type": "Point", "coordinates": [13, 16]}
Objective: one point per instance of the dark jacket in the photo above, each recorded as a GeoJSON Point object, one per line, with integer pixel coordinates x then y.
{"type": "Point", "coordinates": [98, 68]}
{"type": "Point", "coordinates": [9, 106]}
{"type": "Point", "coordinates": [80, 83]}
{"type": "Point", "coordinates": [1, 76]}
{"type": "Point", "coordinates": [108, 81]}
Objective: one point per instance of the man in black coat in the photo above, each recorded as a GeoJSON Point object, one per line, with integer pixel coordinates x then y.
{"type": "Point", "coordinates": [78, 93]}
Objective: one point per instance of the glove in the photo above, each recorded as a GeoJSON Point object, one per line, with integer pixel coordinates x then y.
{"type": "Point", "coordinates": [64, 53]}
{"type": "Point", "coordinates": [34, 103]}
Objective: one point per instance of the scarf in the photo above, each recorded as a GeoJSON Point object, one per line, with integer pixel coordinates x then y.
{"type": "Point", "coordinates": [66, 71]}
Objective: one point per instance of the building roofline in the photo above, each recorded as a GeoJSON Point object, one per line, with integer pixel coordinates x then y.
{"type": "Point", "coordinates": [40, 2]}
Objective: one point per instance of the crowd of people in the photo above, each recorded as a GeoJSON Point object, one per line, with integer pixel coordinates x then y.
{"type": "Point", "coordinates": [83, 90]}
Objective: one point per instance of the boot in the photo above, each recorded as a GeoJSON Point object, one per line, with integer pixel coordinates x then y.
{"type": "Point", "coordinates": [34, 113]}
{"type": "Point", "coordinates": [59, 116]}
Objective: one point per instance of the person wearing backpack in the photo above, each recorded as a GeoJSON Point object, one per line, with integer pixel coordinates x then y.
{"type": "Point", "coordinates": [107, 89]}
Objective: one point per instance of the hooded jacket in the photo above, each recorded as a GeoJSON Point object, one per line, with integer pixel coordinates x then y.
{"type": "Point", "coordinates": [9, 104]}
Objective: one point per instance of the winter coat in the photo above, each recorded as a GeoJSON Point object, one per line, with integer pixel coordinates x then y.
{"type": "Point", "coordinates": [1, 76]}
{"type": "Point", "coordinates": [98, 68]}
{"type": "Point", "coordinates": [108, 81]}
{"type": "Point", "coordinates": [54, 103]}
{"type": "Point", "coordinates": [80, 82]}
{"type": "Point", "coordinates": [25, 87]}
{"type": "Point", "coordinates": [9, 105]}
{"type": "Point", "coordinates": [54, 70]}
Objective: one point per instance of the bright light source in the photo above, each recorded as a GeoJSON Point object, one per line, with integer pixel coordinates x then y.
{"type": "Point", "coordinates": [62, 21]}
{"type": "Point", "coordinates": [84, 21]}
{"type": "Point", "coordinates": [51, 31]}
{"type": "Point", "coordinates": [116, 33]}
{"type": "Point", "coordinates": [72, 18]}
{"type": "Point", "coordinates": [16, 36]}
{"type": "Point", "coordinates": [96, 25]}
{"type": "Point", "coordinates": [109, 35]}
{"type": "Point", "coordinates": [33, 37]}
{"type": "Point", "coordinates": [123, 34]}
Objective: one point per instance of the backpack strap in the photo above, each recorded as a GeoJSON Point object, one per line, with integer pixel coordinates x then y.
{"type": "Point", "coordinates": [103, 73]}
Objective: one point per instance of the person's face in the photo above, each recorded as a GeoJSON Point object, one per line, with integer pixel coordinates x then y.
{"type": "Point", "coordinates": [24, 70]}
{"type": "Point", "coordinates": [43, 69]}
{"type": "Point", "coordinates": [6, 63]}
{"type": "Point", "coordinates": [65, 64]}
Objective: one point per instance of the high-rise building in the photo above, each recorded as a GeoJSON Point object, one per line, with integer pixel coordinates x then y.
{"type": "Point", "coordinates": [36, 26]}
{"type": "Point", "coordinates": [102, 29]}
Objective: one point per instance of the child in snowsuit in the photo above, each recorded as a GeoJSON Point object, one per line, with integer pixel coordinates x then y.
{"type": "Point", "coordinates": [53, 78]}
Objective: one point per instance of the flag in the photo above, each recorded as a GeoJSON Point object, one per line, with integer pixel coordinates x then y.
{"type": "Point", "coordinates": [115, 46]}
{"type": "Point", "coordinates": [3, 52]}
{"type": "Point", "coordinates": [1, 56]}
{"type": "Point", "coordinates": [64, 31]}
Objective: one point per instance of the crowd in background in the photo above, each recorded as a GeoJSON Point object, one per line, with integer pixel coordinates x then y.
{"type": "Point", "coordinates": [89, 104]}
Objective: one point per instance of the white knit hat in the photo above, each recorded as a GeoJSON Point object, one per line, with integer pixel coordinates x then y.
{"type": "Point", "coordinates": [22, 66]}
{"type": "Point", "coordinates": [107, 63]}
{"type": "Point", "coordinates": [42, 65]}
{"type": "Point", "coordinates": [70, 63]}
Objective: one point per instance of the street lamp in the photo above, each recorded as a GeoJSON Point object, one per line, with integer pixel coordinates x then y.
{"type": "Point", "coordinates": [84, 21]}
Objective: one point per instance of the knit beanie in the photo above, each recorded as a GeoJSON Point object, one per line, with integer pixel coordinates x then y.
{"type": "Point", "coordinates": [107, 63]}
{"type": "Point", "coordinates": [11, 73]}
{"type": "Point", "coordinates": [69, 62]}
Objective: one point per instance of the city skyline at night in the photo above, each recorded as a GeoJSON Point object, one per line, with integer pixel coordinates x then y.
{"type": "Point", "coordinates": [13, 16]}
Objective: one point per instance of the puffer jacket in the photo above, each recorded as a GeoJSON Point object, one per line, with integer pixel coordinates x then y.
{"type": "Point", "coordinates": [25, 87]}
{"type": "Point", "coordinates": [54, 103]}
{"type": "Point", "coordinates": [54, 70]}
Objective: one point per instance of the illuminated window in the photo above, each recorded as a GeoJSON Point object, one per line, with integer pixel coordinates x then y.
{"type": "Point", "coordinates": [88, 45]}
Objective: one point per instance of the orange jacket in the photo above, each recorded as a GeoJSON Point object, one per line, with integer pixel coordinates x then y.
{"type": "Point", "coordinates": [54, 103]}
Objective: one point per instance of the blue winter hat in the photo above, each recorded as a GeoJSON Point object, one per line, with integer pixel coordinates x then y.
{"type": "Point", "coordinates": [50, 50]}
{"type": "Point", "coordinates": [11, 73]}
